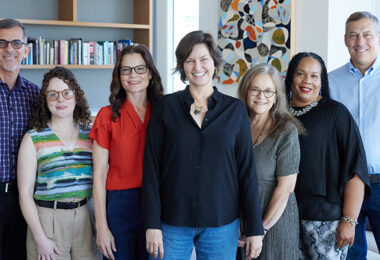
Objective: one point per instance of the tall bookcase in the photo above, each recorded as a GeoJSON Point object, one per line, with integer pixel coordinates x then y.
{"type": "Point", "coordinates": [92, 20]}
{"type": "Point", "coordinates": [68, 16]}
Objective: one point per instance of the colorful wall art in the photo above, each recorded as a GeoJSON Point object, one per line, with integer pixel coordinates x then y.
{"type": "Point", "coordinates": [252, 32]}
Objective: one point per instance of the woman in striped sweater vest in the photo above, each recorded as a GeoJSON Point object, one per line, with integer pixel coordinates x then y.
{"type": "Point", "coordinates": [55, 172]}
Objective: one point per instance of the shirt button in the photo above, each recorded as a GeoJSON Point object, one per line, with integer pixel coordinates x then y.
{"type": "Point", "coordinates": [205, 119]}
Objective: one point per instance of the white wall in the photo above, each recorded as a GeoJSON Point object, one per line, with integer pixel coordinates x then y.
{"type": "Point", "coordinates": [319, 27]}
{"type": "Point", "coordinates": [339, 10]}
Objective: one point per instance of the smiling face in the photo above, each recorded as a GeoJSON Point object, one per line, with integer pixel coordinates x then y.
{"type": "Point", "coordinates": [306, 82]}
{"type": "Point", "coordinates": [60, 108]}
{"type": "Point", "coordinates": [199, 66]}
{"type": "Point", "coordinates": [362, 41]}
{"type": "Point", "coordinates": [134, 83]}
{"type": "Point", "coordinates": [260, 104]}
{"type": "Point", "coordinates": [10, 58]}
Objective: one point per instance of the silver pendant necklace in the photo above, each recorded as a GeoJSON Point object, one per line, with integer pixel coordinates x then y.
{"type": "Point", "coordinates": [303, 110]}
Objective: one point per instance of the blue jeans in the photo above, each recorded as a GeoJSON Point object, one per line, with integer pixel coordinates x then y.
{"type": "Point", "coordinates": [125, 222]}
{"type": "Point", "coordinates": [210, 243]}
{"type": "Point", "coordinates": [370, 209]}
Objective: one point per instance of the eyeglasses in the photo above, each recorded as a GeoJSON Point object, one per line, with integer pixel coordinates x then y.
{"type": "Point", "coordinates": [267, 92]}
{"type": "Point", "coordinates": [16, 44]}
{"type": "Point", "coordinates": [53, 95]}
{"type": "Point", "coordinates": [140, 69]}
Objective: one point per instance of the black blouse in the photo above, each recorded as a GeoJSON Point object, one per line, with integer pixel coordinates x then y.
{"type": "Point", "coordinates": [331, 153]}
{"type": "Point", "coordinates": [200, 177]}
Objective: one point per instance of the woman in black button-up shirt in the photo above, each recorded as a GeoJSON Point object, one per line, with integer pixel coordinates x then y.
{"type": "Point", "coordinates": [199, 168]}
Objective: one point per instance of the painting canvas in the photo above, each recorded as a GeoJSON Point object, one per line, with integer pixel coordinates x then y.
{"type": "Point", "coordinates": [252, 32]}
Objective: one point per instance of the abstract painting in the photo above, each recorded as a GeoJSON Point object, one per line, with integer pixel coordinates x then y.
{"type": "Point", "coordinates": [252, 32]}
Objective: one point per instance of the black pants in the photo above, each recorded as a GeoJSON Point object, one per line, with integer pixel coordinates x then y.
{"type": "Point", "coordinates": [12, 228]}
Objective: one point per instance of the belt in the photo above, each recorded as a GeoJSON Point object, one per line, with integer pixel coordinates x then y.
{"type": "Point", "coordinates": [61, 205]}
{"type": "Point", "coordinates": [374, 178]}
{"type": "Point", "coordinates": [8, 187]}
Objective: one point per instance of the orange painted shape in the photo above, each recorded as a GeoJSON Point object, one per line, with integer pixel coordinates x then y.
{"type": "Point", "coordinates": [228, 81]}
{"type": "Point", "coordinates": [238, 44]}
{"type": "Point", "coordinates": [234, 5]}
{"type": "Point", "coordinates": [251, 33]}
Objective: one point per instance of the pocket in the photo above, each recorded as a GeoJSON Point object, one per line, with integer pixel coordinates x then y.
{"type": "Point", "coordinates": [46, 217]}
{"type": "Point", "coordinates": [109, 194]}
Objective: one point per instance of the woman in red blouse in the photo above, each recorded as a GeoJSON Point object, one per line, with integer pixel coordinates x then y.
{"type": "Point", "coordinates": [118, 137]}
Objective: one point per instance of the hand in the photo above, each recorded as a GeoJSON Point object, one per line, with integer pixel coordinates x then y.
{"type": "Point", "coordinates": [253, 246]}
{"type": "Point", "coordinates": [242, 239]}
{"type": "Point", "coordinates": [154, 242]}
{"type": "Point", "coordinates": [46, 249]}
{"type": "Point", "coordinates": [345, 235]}
{"type": "Point", "coordinates": [106, 242]}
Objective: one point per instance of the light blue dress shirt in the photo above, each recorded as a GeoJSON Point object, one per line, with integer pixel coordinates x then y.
{"type": "Point", "coordinates": [361, 95]}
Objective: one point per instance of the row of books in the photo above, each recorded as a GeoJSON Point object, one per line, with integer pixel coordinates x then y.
{"type": "Point", "coordinates": [73, 52]}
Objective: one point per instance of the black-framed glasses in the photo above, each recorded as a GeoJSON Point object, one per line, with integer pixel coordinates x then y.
{"type": "Point", "coordinates": [16, 44]}
{"type": "Point", "coordinates": [267, 92]}
{"type": "Point", "coordinates": [53, 95]}
{"type": "Point", "coordinates": [140, 69]}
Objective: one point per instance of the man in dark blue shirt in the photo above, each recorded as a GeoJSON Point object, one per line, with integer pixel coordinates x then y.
{"type": "Point", "coordinates": [17, 98]}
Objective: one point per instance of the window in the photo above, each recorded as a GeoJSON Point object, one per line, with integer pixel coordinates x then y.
{"type": "Point", "coordinates": [173, 20]}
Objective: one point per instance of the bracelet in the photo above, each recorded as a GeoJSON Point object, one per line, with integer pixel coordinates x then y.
{"type": "Point", "coordinates": [348, 219]}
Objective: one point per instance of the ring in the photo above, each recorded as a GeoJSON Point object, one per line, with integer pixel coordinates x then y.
{"type": "Point", "coordinates": [155, 250]}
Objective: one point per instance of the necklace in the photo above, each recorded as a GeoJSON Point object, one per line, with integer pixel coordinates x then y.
{"type": "Point", "coordinates": [199, 109]}
{"type": "Point", "coordinates": [303, 110]}
{"type": "Point", "coordinates": [261, 132]}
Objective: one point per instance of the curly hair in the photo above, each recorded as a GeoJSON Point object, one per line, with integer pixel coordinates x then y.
{"type": "Point", "coordinates": [42, 114]}
{"type": "Point", "coordinates": [186, 45]}
{"type": "Point", "coordinates": [118, 94]}
{"type": "Point", "coordinates": [293, 65]}
{"type": "Point", "coordinates": [280, 109]}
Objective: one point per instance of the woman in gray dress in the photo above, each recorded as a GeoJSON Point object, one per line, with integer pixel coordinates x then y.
{"type": "Point", "coordinates": [276, 148]}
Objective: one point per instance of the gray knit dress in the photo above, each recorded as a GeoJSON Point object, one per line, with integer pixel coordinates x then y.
{"type": "Point", "coordinates": [276, 157]}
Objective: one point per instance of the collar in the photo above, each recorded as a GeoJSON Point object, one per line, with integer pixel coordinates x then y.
{"type": "Point", "coordinates": [216, 95]}
{"type": "Point", "coordinates": [20, 82]}
{"type": "Point", "coordinates": [375, 66]}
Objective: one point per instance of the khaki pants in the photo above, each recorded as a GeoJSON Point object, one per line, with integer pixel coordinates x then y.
{"type": "Point", "coordinates": [69, 229]}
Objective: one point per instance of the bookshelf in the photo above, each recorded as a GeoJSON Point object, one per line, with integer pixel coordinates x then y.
{"type": "Point", "coordinates": [92, 20]}
{"type": "Point", "coordinates": [141, 26]}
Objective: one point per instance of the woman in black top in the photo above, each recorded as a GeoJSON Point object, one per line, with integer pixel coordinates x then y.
{"type": "Point", "coordinates": [199, 166]}
{"type": "Point", "coordinates": [333, 172]}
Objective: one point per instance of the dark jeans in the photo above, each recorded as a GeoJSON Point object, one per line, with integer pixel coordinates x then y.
{"type": "Point", "coordinates": [125, 221]}
{"type": "Point", "coordinates": [370, 209]}
{"type": "Point", "coordinates": [12, 228]}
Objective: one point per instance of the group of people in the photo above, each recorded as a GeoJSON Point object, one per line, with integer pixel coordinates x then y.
{"type": "Point", "coordinates": [280, 172]}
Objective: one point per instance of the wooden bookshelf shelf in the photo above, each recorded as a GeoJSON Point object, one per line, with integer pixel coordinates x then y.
{"type": "Point", "coordinates": [68, 17]}
{"type": "Point", "coordinates": [68, 66]}
{"type": "Point", "coordinates": [86, 24]}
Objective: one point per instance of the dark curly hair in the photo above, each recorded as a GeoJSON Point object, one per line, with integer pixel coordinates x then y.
{"type": "Point", "coordinates": [293, 65]}
{"type": "Point", "coordinates": [186, 45]}
{"type": "Point", "coordinates": [118, 94]}
{"type": "Point", "coordinates": [42, 115]}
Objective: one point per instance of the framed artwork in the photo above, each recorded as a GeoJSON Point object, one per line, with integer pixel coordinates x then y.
{"type": "Point", "coordinates": [252, 32]}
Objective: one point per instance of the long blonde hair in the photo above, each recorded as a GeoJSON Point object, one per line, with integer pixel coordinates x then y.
{"type": "Point", "coordinates": [280, 109]}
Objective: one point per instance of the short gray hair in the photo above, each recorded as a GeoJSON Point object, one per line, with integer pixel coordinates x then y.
{"type": "Point", "coordinates": [362, 15]}
{"type": "Point", "coordinates": [8, 23]}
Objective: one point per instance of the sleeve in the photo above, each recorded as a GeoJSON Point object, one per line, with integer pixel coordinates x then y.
{"type": "Point", "coordinates": [248, 186]}
{"type": "Point", "coordinates": [288, 152]}
{"type": "Point", "coordinates": [352, 156]}
{"type": "Point", "coordinates": [151, 201]}
{"type": "Point", "coordinates": [101, 129]}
